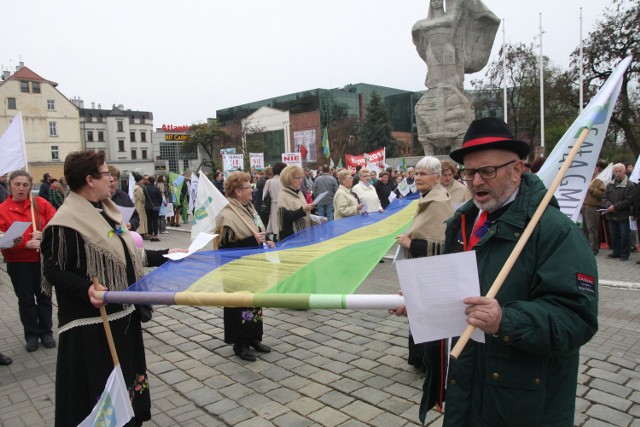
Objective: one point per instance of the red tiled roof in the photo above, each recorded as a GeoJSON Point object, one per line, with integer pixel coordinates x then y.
{"type": "Point", "coordinates": [25, 73]}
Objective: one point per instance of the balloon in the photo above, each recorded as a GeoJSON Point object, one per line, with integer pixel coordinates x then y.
{"type": "Point", "coordinates": [137, 239]}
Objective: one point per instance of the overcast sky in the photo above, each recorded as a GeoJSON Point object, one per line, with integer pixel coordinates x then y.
{"type": "Point", "coordinates": [182, 60]}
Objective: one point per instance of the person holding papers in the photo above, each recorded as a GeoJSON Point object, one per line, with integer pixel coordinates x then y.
{"type": "Point", "coordinates": [23, 259]}
{"type": "Point", "coordinates": [293, 210]}
{"type": "Point", "coordinates": [366, 192]}
{"type": "Point", "coordinates": [240, 226]}
{"type": "Point", "coordinates": [459, 192]}
{"type": "Point", "coordinates": [525, 373]}
{"type": "Point", "coordinates": [88, 238]}
{"type": "Point", "coordinates": [325, 183]}
{"type": "Point", "coordinates": [425, 237]}
{"type": "Point", "coordinates": [345, 202]}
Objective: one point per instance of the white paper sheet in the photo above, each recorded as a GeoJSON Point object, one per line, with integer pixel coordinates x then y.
{"type": "Point", "coordinates": [16, 230]}
{"type": "Point", "coordinates": [434, 288]}
{"type": "Point", "coordinates": [126, 212]}
{"type": "Point", "coordinates": [320, 197]}
{"type": "Point", "coordinates": [392, 197]}
{"type": "Point", "coordinates": [199, 242]}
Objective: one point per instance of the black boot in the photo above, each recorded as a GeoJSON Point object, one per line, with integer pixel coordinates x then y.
{"type": "Point", "coordinates": [243, 352]}
{"type": "Point", "coordinates": [260, 347]}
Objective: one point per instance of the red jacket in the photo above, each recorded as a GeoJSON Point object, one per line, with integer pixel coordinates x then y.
{"type": "Point", "coordinates": [11, 212]}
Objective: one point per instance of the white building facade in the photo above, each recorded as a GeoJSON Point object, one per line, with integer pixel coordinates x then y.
{"type": "Point", "coordinates": [124, 135]}
{"type": "Point", "coordinates": [50, 120]}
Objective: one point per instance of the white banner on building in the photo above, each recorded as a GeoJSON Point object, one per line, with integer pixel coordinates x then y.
{"type": "Point", "coordinates": [305, 143]}
{"type": "Point", "coordinates": [256, 161]}
{"type": "Point", "coordinates": [292, 159]}
{"type": "Point", "coordinates": [232, 163]}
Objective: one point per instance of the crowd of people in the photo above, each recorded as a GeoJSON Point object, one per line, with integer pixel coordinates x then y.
{"type": "Point", "coordinates": [524, 374]}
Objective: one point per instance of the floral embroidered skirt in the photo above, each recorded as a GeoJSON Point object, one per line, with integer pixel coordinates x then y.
{"type": "Point", "coordinates": [242, 325]}
{"type": "Point", "coordinates": [84, 364]}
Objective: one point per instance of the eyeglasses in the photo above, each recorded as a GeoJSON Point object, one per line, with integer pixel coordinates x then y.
{"type": "Point", "coordinates": [486, 172]}
{"type": "Point", "coordinates": [107, 173]}
{"type": "Point", "coordinates": [297, 177]}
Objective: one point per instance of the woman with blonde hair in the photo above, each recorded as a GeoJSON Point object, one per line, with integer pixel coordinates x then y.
{"type": "Point", "coordinates": [345, 202]}
{"type": "Point", "coordinates": [293, 209]}
{"type": "Point", "coordinates": [366, 191]}
{"type": "Point", "coordinates": [240, 226]}
{"type": "Point", "coordinates": [459, 192]}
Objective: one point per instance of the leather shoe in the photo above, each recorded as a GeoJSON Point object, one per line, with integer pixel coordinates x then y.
{"type": "Point", "coordinates": [613, 256]}
{"type": "Point", "coordinates": [32, 344]}
{"type": "Point", "coordinates": [260, 347]}
{"type": "Point", "coordinates": [243, 352]}
{"type": "Point", "coordinates": [5, 360]}
{"type": "Point", "coordinates": [624, 258]}
{"type": "Point", "coordinates": [48, 341]}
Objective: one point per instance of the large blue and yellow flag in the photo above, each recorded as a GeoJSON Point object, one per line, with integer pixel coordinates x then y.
{"type": "Point", "coordinates": [331, 258]}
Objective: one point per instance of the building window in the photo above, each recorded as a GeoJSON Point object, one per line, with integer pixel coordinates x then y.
{"type": "Point", "coordinates": [90, 136]}
{"type": "Point", "coordinates": [132, 136]}
{"type": "Point", "coordinates": [144, 154]}
{"type": "Point", "coordinates": [142, 119]}
{"type": "Point", "coordinates": [55, 154]}
{"type": "Point", "coordinates": [51, 104]}
{"type": "Point", "coordinates": [11, 103]}
{"type": "Point", "coordinates": [100, 136]}
{"type": "Point", "coordinates": [99, 118]}
{"type": "Point", "coordinates": [134, 155]}
{"type": "Point", "coordinates": [53, 129]}
{"type": "Point", "coordinates": [35, 86]}
{"type": "Point", "coordinates": [24, 87]}
{"type": "Point", "coordinates": [132, 120]}
{"type": "Point", "coordinates": [120, 126]}
{"type": "Point", "coordinates": [121, 145]}
{"type": "Point", "coordinates": [88, 118]}
{"type": "Point", "coordinates": [143, 136]}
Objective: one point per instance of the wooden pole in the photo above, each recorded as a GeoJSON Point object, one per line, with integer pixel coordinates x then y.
{"type": "Point", "coordinates": [506, 269]}
{"type": "Point", "coordinates": [33, 214]}
{"type": "Point", "coordinates": [107, 328]}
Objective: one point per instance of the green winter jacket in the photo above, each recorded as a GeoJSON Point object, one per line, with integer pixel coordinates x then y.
{"type": "Point", "coordinates": [526, 375]}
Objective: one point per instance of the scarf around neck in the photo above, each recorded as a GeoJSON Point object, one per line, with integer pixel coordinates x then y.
{"type": "Point", "coordinates": [231, 218]}
{"type": "Point", "coordinates": [105, 253]}
{"type": "Point", "coordinates": [292, 200]}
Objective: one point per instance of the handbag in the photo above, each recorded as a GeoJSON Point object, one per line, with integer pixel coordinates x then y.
{"type": "Point", "coordinates": [265, 206]}
{"type": "Point", "coordinates": [145, 312]}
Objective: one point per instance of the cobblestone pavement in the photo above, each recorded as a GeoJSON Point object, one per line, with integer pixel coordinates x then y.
{"type": "Point", "coordinates": [327, 368]}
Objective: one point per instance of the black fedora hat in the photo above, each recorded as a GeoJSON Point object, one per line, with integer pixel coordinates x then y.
{"type": "Point", "coordinates": [489, 133]}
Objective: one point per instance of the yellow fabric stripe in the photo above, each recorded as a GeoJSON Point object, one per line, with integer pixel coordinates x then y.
{"type": "Point", "coordinates": [257, 273]}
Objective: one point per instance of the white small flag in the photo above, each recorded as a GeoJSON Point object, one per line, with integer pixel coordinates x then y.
{"type": "Point", "coordinates": [114, 407]}
{"type": "Point", "coordinates": [132, 185]}
{"type": "Point", "coordinates": [209, 202]}
{"type": "Point", "coordinates": [193, 191]}
{"type": "Point", "coordinates": [12, 147]}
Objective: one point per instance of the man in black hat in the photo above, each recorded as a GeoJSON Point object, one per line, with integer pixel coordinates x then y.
{"type": "Point", "coordinates": [525, 373]}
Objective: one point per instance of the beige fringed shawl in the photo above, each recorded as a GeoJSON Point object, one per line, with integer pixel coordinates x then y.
{"type": "Point", "coordinates": [105, 253]}
{"type": "Point", "coordinates": [292, 201]}
{"type": "Point", "coordinates": [429, 222]}
{"type": "Point", "coordinates": [231, 218]}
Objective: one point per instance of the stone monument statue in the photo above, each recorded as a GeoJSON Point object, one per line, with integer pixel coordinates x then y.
{"type": "Point", "coordinates": [452, 42]}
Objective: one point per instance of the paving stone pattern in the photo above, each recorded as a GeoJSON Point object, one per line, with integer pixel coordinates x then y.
{"type": "Point", "coordinates": [327, 368]}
